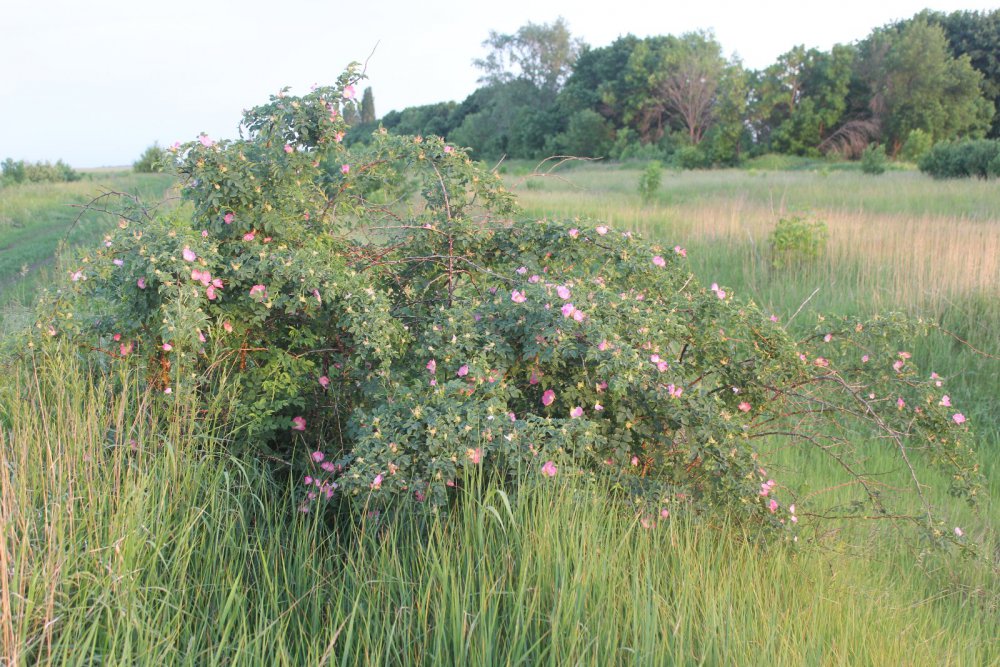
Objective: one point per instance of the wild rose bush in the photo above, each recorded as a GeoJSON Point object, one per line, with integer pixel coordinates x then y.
{"type": "Point", "coordinates": [384, 323]}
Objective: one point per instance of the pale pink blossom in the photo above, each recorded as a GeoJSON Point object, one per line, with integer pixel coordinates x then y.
{"type": "Point", "coordinates": [567, 310]}
{"type": "Point", "coordinates": [548, 397]}
{"type": "Point", "coordinates": [680, 251]}
{"type": "Point", "coordinates": [900, 403]}
{"type": "Point", "coordinates": [959, 418]}
{"type": "Point", "coordinates": [659, 261]}
{"type": "Point", "coordinates": [227, 326]}
{"type": "Point", "coordinates": [773, 505]}
{"type": "Point", "coordinates": [318, 456]}
{"type": "Point", "coordinates": [249, 236]}
{"type": "Point", "coordinates": [602, 230]}
{"type": "Point", "coordinates": [345, 168]}
{"type": "Point", "coordinates": [574, 233]}
{"type": "Point", "coordinates": [598, 407]}
{"type": "Point", "coordinates": [167, 347]}
{"type": "Point", "coordinates": [674, 391]}
{"type": "Point", "coordinates": [288, 149]}
{"type": "Point", "coordinates": [228, 218]}
{"type": "Point", "coordinates": [349, 92]}
{"type": "Point", "coordinates": [521, 270]}
{"type": "Point", "coordinates": [258, 292]}
{"type": "Point", "coordinates": [377, 482]}
{"type": "Point", "coordinates": [549, 469]}
{"type": "Point", "coordinates": [189, 255]}
{"type": "Point", "coordinates": [77, 276]}
{"type": "Point", "coordinates": [298, 423]}
{"type": "Point", "coordinates": [205, 141]}
{"type": "Point", "coordinates": [576, 412]}
{"type": "Point", "coordinates": [563, 292]}
{"type": "Point", "coordinates": [118, 262]}
{"type": "Point", "coordinates": [518, 297]}
{"type": "Point", "coordinates": [534, 279]}
{"type": "Point", "coordinates": [945, 401]}
{"type": "Point", "coordinates": [432, 366]}
{"type": "Point", "coordinates": [958, 532]}
{"type": "Point", "coordinates": [744, 407]}
{"type": "Point", "coordinates": [475, 455]}
{"type": "Point", "coordinates": [463, 370]}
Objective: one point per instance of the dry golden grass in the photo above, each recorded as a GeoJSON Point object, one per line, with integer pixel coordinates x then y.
{"type": "Point", "coordinates": [921, 256]}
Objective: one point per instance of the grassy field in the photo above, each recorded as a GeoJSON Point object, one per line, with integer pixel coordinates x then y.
{"type": "Point", "coordinates": [132, 537]}
{"type": "Point", "coordinates": [36, 219]}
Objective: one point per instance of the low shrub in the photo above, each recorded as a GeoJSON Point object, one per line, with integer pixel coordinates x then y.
{"type": "Point", "coordinates": [37, 172]}
{"type": "Point", "coordinates": [796, 241]}
{"type": "Point", "coordinates": [152, 161]}
{"type": "Point", "coordinates": [874, 160]}
{"type": "Point", "coordinates": [650, 181]}
{"type": "Point", "coordinates": [963, 159]}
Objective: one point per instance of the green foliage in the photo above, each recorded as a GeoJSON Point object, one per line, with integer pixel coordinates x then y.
{"type": "Point", "coordinates": [917, 144]}
{"type": "Point", "coordinates": [541, 54]}
{"type": "Point", "coordinates": [801, 99]}
{"type": "Point", "coordinates": [151, 161]}
{"type": "Point", "coordinates": [914, 83]}
{"type": "Point", "coordinates": [975, 35]}
{"type": "Point", "coordinates": [796, 241]}
{"type": "Point", "coordinates": [691, 157]}
{"type": "Point", "coordinates": [963, 159]}
{"type": "Point", "coordinates": [368, 106]}
{"type": "Point", "coordinates": [37, 172]}
{"type": "Point", "coordinates": [874, 160]}
{"type": "Point", "coordinates": [650, 181]}
{"type": "Point", "coordinates": [375, 316]}
{"type": "Point", "coordinates": [587, 134]}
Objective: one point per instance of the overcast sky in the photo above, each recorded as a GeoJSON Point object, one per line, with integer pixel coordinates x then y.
{"type": "Point", "coordinates": [94, 82]}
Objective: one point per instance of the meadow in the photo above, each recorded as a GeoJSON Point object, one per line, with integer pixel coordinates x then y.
{"type": "Point", "coordinates": [37, 219]}
{"type": "Point", "coordinates": [174, 550]}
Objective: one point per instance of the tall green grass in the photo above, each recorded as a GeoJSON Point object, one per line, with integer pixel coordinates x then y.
{"type": "Point", "coordinates": [130, 536]}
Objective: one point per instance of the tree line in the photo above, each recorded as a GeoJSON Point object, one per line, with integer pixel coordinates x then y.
{"type": "Point", "coordinates": [906, 86]}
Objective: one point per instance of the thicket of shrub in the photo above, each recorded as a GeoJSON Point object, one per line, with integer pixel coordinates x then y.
{"type": "Point", "coordinates": [963, 159]}
{"type": "Point", "coordinates": [152, 161]}
{"type": "Point", "coordinates": [21, 171]}
{"type": "Point", "coordinates": [382, 320]}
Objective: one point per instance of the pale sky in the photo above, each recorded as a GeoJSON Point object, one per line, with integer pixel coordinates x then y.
{"type": "Point", "coordinates": [94, 82]}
